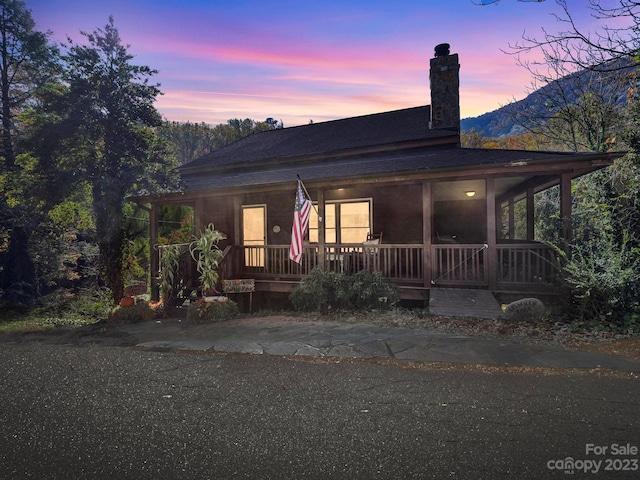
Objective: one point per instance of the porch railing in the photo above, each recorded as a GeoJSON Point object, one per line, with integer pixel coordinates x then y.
{"type": "Point", "coordinates": [520, 266]}
{"type": "Point", "coordinates": [402, 263]}
{"type": "Point", "coordinates": [453, 264]}
{"type": "Point", "coordinates": [526, 264]}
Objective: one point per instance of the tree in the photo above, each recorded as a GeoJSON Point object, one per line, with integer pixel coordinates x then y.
{"type": "Point", "coordinates": [106, 137]}
{"type": "Point", "coordinates": [598, 50]}
{"type": "Point", "coordinates": [235, 129]}
{"type": "Point", "coordinates": [28, 62]}
{"type": "Point", "coordinates": [604, 268]}
{"type": "Point", "coordinates": [484, 3]}
{"type": "Point", "coordinates": [581, 111]}
{"type": "Point", "coordinates": [188, 141]}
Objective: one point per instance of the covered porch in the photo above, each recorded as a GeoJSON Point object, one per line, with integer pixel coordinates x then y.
{"type": "Point", "coordinates": [438, 232]}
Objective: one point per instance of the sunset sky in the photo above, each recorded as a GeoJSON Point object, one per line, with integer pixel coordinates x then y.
{"type": "Point", "coordinates": [302, 60]}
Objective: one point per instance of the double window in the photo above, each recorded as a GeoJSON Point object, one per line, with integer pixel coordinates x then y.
{"type": "Point", "coordinates": [345, 221]}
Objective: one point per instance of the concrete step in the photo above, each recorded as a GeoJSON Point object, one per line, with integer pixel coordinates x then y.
{"type": "Point", "coordinates": [460, 302]}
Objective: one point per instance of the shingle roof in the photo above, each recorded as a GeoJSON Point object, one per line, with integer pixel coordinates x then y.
{"type": "Point", "coordinates": [341, 170]}
{"type": "Point", "coordinates": [375, 130]}
{"type": "Point", "coordinates": [394, 143]}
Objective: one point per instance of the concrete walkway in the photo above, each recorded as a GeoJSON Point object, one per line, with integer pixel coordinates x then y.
{"type": "Point", "coordinates": [279, 336]}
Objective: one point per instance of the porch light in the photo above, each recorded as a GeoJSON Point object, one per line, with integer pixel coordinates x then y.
{"type": "Point", "coordinates": [470, 193]}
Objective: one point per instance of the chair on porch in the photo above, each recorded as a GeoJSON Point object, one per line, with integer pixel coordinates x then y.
{"type": "Point", "coordinates": [370, 259]}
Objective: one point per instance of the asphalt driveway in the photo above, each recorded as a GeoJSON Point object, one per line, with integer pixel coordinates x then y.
{"type": "Point", "coordinates": [95, 412]}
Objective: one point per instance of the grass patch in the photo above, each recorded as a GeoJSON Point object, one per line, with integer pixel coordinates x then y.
{"type": "Point", "coordinates": [59, 309]}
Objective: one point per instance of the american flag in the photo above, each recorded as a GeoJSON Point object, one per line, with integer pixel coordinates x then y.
{"type": "Point", "coordinates": [300, 224]}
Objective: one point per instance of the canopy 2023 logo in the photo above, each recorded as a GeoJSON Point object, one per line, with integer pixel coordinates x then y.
{"type": "Point", "coordinates": [612, 463]}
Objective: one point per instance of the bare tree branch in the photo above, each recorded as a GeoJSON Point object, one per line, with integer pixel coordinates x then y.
{"type": "Point", "coordinates": [484, 3]}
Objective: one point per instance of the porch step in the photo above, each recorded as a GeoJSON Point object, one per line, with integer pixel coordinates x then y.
{"type": "Point", "coordinates": [458, 302]}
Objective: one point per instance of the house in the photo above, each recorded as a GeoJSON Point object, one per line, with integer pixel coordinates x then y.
{"type": "Point", "coordinates": [436, 208]}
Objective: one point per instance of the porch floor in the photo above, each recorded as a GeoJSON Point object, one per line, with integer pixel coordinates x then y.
{"type": "Point", "coordinates": [459, 302]}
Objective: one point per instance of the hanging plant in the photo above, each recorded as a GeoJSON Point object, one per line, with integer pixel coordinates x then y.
{"type": "Point", "coordinates": [207, 255]}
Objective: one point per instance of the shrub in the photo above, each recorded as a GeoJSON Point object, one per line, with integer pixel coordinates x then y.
{"type": "Point", "coordinates": [324, 291]}
{"type": "Point", "coordinates": [140, 312]}
{"type": "Point", "coordinates": [369, 290]}
{"type": "Point", "coordinates": [203, 312]}
{"type": "Point", "coordinates": [321, 291]}
{"type": "Point", "coordinates": [605, 283]}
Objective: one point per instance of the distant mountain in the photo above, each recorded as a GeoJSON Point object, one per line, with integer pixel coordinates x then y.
{"type": "Point", "coordinates": [495, 124]}
{"type": "Point", "coordinates": [547, 100]}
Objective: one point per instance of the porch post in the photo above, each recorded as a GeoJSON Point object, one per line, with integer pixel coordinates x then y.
{"type": "Point", "coordinates": [427, 217]}
{"type": "Point", "coordinates": [321, 232]}
{"type": "Point", "coordinates": [197, 215]}
{"type": "Point", "coordinates": [512, 220]}
{"type": "Point", "coordinates": [565, 207]}
{"type": "Point", "coordinates": [154, 253]}
{"type": "Point", "coordinates": [491, 257]}
{"type": "Point", "coordinates": [530, 215]}
{"type": "Point", "coordinates": [237, 222]}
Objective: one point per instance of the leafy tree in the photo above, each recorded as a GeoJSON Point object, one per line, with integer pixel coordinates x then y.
{"type": "Point", "coordinates": [29, 64]}
{"type": "Point", "coordinates": [105, 137]}
{"type": "Point", "coordinates": [187, 141]}
{"type": "Point", "coordinates": [604, 268]}
{"type": "Point", "coordinates": [235, 129]}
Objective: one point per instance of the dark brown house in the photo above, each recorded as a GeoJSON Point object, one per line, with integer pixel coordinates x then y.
{"type": "Point", "coordinates": [436, 209]}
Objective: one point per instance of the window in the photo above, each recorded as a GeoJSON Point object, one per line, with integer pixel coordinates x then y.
{"type": "Point", "coordinates": [254, 233]}
{"type": "Point", "coordinates": [347, 221]}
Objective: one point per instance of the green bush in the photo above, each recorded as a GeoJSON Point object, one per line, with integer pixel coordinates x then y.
{"type": "Point", "coordinates": [203, 312]}
{"type": "Point", "coordinates": [369, 290]}
{"type": "Point", "coordinates": [140, 312]}
{"type": "Point", "coordinates": [604, 281]}
{"type": "Point", "coordinates": [324, 291]}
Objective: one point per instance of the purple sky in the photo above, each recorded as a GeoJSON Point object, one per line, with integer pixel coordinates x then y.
{"type": "Point", "coordinates": [301, 60]}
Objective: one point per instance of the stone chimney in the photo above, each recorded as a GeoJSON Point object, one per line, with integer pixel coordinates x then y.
{"type": "Point", "coordinates": [444, 78]}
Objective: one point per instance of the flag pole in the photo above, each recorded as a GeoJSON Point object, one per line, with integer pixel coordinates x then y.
{"type": "Point", "coordinates": [309, 197]}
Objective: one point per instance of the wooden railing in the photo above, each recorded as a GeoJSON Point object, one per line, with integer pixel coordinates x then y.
{"type": "Point", "coordinates": [396, 262]}
{"type": "Point", "coordinates": [399, 263]}
{"type": "Point", "coordinates": [518, 266]}
{"type": "Point", "coordinates": [459, 265]}
{"type": "Point", "coordinates": [526, 264]}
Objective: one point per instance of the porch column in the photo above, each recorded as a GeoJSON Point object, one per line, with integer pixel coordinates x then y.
{"type": "Point", "coordinates": [512, 220]}
{"type": "Point", "coordinates": [237, 221]}
{"type": "Point", "coordinates": [530, 215]}
{"type": "Point", "coordinates": [197, 215]}
{"type": "Point", "coordinates": [491, 257]}
{"type": "Point", "coordinates": [565, 207]}
{"type": "Point", "coordinates": [427, 219]}
{"type": "Point", "coordinates": [154, 254]}
{"type": "Point", "coordinates": [321, 232]}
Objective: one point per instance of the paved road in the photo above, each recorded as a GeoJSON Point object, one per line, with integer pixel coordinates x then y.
{"type": "Point", "coordinates": [94, 412]}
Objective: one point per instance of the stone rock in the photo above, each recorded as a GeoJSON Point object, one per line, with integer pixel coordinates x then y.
{"type": "Point", "coordinates": [525, 310]}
